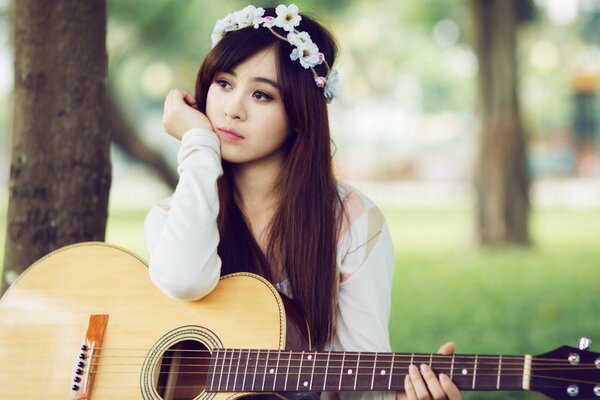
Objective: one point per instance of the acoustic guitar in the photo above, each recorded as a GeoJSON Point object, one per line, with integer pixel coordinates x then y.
{"type": "Point", "coordinates": [86, 322]}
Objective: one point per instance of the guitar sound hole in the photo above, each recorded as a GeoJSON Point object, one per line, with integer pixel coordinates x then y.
{"type": "Point", "coordinates": [182, 372]}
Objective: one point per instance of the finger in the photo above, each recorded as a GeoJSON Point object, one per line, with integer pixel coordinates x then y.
{"type": "Point", "coordinates": [402, 395]}
{"type": "Point", "coordinates": [189, 98]}
{"type": "Point", "coordinates": [450, 388]}
{"type": "Point", "coordinates": [447, 349]}
{"type": "Point", "coordinates": [433, 384]}
{"type": "Point", "coordinates": [418, 383]}
{"type": "Point", "coordinates": [409, 390]}
{"type": "Point", "coordinates": [171, 100]}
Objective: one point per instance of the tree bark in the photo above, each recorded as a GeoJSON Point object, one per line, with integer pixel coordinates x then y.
{"type": "Point", "coordinates": [60, 171]}
{"type": "Point", "coordinates": [502, 179]}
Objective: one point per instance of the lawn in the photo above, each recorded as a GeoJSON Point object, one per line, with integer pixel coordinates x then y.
{"type": "Point", "coordinates": [495, 301]}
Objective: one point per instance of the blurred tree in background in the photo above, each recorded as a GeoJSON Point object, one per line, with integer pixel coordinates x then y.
{"type": "Point", "coordinates": [60, 171]}
{"type": "Point", "coordinates": [502, 177]}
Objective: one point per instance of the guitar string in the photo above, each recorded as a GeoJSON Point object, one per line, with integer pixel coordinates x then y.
{"type": "Point", "coordinates": [399, 386]}
{"type": "Point", "coordinates": [537, 388]}
{"type": "Point", "coordinates": [515, 373]}
{"type": "Point", "coordinates": [365, 364]}
{"type": "Point", "coordinates": [346, 354]}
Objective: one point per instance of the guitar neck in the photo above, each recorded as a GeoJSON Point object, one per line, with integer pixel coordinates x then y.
{"type": "Point", "coordinates": [243, 370]}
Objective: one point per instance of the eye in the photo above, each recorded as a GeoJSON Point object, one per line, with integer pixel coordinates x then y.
{"type": "Point", "coordinates": [262, 96]}
{"type": "Point", "coordinates": [223, 83]}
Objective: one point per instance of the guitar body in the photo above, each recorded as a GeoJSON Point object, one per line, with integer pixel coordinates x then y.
{"type": "Point", "coordinates": [86, 322]}
{"type": "Point", "coordinates": [44, 317]}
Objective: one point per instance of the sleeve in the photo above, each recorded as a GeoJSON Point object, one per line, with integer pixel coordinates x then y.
{"type": "Point", "coordinates": [181, 233]}
{"type": "Point", "coordinates": [366, 262]}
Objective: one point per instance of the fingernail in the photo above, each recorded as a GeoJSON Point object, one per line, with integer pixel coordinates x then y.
{"type": "Point", "coordinates": [425, 368]}
{"type": "Point", "coordinates": [444, 377]}
{"type": "Point", "coordinates": [413, 369]}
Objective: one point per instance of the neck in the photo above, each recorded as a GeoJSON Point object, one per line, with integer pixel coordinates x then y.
{"type": "Point", "coordinates": [256, 185]}
{"type": "Point", "coordinates": [277, 370]}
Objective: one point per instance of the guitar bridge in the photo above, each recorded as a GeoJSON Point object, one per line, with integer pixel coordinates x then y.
{"type": "Point", "coordinates": [86, 363]}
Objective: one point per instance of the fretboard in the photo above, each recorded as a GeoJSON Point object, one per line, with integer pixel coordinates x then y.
{"type": "Point", "coordinates": [238, 370]}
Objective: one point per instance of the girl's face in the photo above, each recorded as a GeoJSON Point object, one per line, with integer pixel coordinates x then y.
{"type": "Point", "coordinates": [246, 109]}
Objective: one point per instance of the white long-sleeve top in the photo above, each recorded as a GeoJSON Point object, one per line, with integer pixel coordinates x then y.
{"type": "Point", "coordinates": [181, 237]}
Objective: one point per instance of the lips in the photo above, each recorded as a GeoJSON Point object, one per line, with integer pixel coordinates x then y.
{"type": "Point", "coordinates": [230, 134]}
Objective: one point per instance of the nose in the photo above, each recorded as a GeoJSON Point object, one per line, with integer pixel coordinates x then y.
{"type": "Point", "coordinates": [234, 106]}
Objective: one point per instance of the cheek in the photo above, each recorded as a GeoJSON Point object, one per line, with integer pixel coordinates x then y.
{"type": "Point", "coordinates": [211, 103]}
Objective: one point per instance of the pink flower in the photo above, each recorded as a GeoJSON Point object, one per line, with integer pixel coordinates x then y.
{"type": "Point", "coordinates": [320, 81]}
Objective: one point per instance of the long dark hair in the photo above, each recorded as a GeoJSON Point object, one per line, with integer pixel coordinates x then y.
{"type": "Point", "coordinates": [303, 231]}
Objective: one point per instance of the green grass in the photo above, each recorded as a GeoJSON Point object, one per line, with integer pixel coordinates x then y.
{"type": "Point", "coordinates": [496, 301]}
{"type": "Point", "coordinates": [499, 300]}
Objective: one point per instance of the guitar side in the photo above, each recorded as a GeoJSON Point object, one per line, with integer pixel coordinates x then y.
{"type": "Point", "coordinates": [45, 314]}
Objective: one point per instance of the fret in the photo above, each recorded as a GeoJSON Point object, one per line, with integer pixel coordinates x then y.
{"type": "Point", "coordinates": [373, 372]}
{"type": "Point", "coordinates": [300, 371]}
{"type": "Point", "coordinates": [357, 370]}
{"type": "Point", "coordinates": [474, 373]}
{"type": "Point", "coordinates": [287, 372]}
{"type": "Point", "coordinates": [246, 371]}
{"type": "Point", "coordinates": [229, 370]}
{"type": "Point", "coordinates": [499, 372]}
{"type": "Point", "coordinates": [326, 371]}
{"type": "Point", "coordinates": [213, 363]}
{"type": "Point", "coordinates": [342, 371]}
{"type": "Point", "coordinates": [452, 368]}
{"type": "Point", "coordinates": [237, 370]}
{"type": "Point", "coordinates": [312, 372]}
{"type": "Point", "coordinates": [276, 369]}
{"type": "Point", "coordinates": [255, 370]}
{"type": "Point", "coordinates": [222, 369]}
{"type": "Point", "coordinates": [391, 372]}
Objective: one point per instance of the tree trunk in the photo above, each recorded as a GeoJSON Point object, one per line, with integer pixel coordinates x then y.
{"type": "Point", "coordinates": [502, 179]}
{"type": "Point", "coordinates": [60, 163]}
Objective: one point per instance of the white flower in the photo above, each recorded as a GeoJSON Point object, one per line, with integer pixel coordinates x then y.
{"type": "Point", "coordinates": [299, 38]}
{"type": "Point", "coordinates": [249, 16]}
{"type": "Point", "coordinates": [287, 17]}
{"type": "Point", "coordinates": [223, 26]}
{"type": "Point", "coordinates": [308, 54]}
{"type": "Point", "coordinates": [332, 86]}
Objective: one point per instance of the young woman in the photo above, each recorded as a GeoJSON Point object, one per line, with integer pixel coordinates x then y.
{"type": "Point", "coordinates": [256, 190]}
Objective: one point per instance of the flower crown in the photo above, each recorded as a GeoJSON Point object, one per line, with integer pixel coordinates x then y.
{"type": "Point", "coordinates": [305, 50]}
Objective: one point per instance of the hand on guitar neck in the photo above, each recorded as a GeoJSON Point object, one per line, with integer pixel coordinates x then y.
{"type": "Point", "coordinates": [422, 383]}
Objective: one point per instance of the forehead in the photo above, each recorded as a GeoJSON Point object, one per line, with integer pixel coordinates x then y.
{"type": "Point", "coordinates": [261, 64]}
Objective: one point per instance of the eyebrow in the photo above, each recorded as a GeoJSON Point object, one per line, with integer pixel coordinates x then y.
{"type": "Point", "coordinates": [259, 79]}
